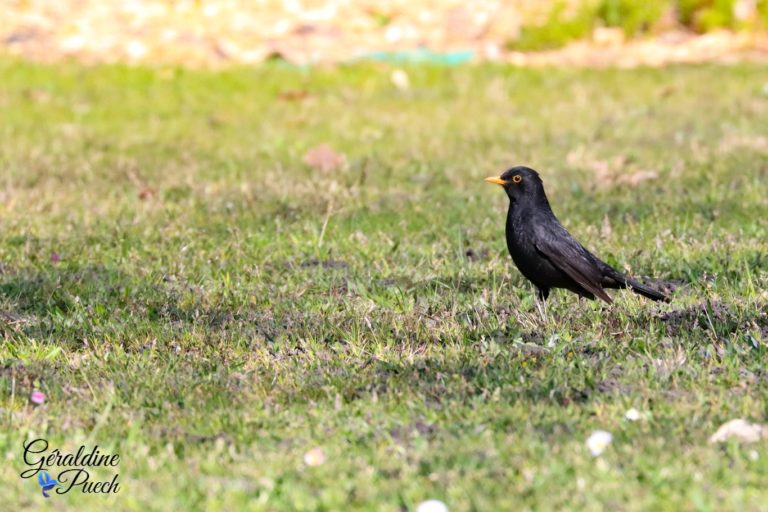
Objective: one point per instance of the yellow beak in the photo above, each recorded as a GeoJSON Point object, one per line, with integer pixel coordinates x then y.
{"type": "Point", "coordinates": [496, 181]}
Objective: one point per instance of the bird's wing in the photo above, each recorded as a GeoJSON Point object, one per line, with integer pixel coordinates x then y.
{"type": "Point", "coordinates": [565, 253]}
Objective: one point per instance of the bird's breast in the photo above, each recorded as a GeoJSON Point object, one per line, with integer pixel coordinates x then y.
{"type": "Point", "coordinates": [521, 242]}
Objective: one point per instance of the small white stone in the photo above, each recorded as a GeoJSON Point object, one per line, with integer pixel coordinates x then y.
{"type": "Point", "coordinates": [400, 79]}
{"type": "Point", "coordinates": [314, 457]}
{"type": "Point", "coordinates": [432, 506]}
{"type": "Point", "coordinates": [598, 442]}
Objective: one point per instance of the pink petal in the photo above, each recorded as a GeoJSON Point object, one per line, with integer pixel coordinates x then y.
{"type": "Point", "coordinates": [37, 397]}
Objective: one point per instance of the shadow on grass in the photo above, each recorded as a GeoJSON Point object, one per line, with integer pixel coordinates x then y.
{"type": "Point", "coordinates": [716, 317]}
{"type": "Point", "coordinates": [73, 306]}
{"type": "Point", "coordinates": [709, 318]}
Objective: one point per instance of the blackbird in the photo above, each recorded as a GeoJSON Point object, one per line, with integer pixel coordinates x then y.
{"type": "Point", "coordinates": [546, 254]}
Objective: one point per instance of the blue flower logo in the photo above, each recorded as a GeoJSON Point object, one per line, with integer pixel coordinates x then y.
{"type": "Point", "coordinates": [46, 482]}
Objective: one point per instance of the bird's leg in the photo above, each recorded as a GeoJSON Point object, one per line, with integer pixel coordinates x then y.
{"type": "Point", "coordinates": [541, 304]}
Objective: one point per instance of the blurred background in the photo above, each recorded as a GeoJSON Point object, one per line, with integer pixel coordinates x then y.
{"type": "Point", "coordinates": [282, 284]}
{"type": "Point", "coordinates": [220, 32]}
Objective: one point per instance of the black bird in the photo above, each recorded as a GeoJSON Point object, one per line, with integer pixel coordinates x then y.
{"type": "Point", "coordinates": [546, 253]}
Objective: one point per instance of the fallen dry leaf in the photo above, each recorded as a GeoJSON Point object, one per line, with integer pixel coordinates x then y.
{"type": "Point", "coordinates": [638, 177]}
{"type": "Point", "coordinates": [324, 158]}
{"type": "Point", "coordinates": [294, 95]}
{"type": "Point", "coordinates": [741, 430]}
{"type": "Point", "coordinates": [146, 193]}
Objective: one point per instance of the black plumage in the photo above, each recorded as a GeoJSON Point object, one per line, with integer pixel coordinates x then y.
{"type": "Point", "coordinates": [546, 253]}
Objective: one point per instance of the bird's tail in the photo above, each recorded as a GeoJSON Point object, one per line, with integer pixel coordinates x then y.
{"type": "Point", "coordinates": [645, 291]}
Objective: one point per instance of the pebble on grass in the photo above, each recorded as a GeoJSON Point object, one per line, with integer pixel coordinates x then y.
{"type": "Point", "coordinates": [598, 441]}
{"type": "Point", "coordinates": [741, 430]}
{"type": "Point", "coordinates": [432, 506]}
{"type": "Point", "coordinates": [314, 457]}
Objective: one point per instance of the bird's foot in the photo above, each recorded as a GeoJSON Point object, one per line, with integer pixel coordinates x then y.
{"type": "Point", "coordinates": [541, 306]}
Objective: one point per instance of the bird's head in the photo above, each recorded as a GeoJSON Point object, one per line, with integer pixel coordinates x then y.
{"type": "Point", "coordinates": [520, 183]}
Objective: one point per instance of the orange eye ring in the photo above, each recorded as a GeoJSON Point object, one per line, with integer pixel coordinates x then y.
{"type": "Point", "coordinates": [517, 178]}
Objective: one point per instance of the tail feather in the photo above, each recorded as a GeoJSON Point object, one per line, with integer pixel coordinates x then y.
{"type": "Point", "coordinates": [645, 291]}
{"type": "Point", "coordinates": [615, 279]}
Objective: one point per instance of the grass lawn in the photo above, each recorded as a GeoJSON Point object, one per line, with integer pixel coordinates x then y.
{"type": "Point", "coordinates": [189, 294]}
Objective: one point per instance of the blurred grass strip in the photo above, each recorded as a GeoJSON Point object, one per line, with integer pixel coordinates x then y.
{"type": "Point", "coordinates": [567, 22]}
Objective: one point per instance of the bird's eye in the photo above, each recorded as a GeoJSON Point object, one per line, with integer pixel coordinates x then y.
{"type": "Point", "coordinates": [517, 178]}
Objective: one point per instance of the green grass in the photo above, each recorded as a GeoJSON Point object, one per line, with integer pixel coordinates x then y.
{"type": "Point", "coordinates": [566, 21]}
{"type": "Point", "coordinates": [219, 308]}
